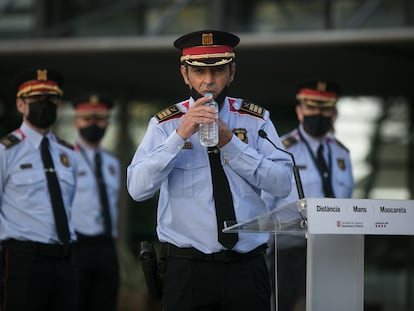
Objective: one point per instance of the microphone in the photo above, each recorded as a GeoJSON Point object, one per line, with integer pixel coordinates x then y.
{"type": "Point", "coordinates": [296, 174]}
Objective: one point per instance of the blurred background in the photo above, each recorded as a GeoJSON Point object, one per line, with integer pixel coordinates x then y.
{"type": "Point", "coordinates": [124, 49]}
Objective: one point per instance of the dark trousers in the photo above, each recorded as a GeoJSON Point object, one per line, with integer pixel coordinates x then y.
{"type": "Point", "coordinates": [98, 273]}
{"type": "Point", "coordinates": [193, 284]}
{"type": "Point", "coordinates": [37, 277]}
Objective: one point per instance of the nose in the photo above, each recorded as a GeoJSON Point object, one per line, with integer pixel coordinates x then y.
{"type": "Point", "coordinates": [209, 76]}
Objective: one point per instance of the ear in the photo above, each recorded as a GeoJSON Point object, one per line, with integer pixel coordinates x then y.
{"type": "Point", "coordinates": [232, 72]}
{"type": "Point", "coordinates": [299, 113]}
{"type": "Point", "coordinates": [184, 74]}
{"type": "Point", "coordinates": [20, 105]}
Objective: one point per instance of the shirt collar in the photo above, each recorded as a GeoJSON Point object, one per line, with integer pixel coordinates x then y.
{"type": "Point", "coordinates": [87, 150]}
{"type": "Point", "coordinates": [312, 142]}
{"type": "Point", "coordinates": [32, 136]}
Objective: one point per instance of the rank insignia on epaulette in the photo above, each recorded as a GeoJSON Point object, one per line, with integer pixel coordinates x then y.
{"type": "Point", "coordinates": [241, 134]}
{"type": "Point", "coordinates": [81, 173]}
{"type": "Point", "coordinates": [252, 109]}
{"type": "Point", "coordinates": [188, 145]}
{"type": "Point", "coordinates": [289, 141]}
{"type": "Point", "coordinates": [341, 145]}
{"type": "Point", "coordinates": [64, 143]}
{"type": "Point", "coordinates": [9, 141]}
{"type": "Point", "coordinates": [167, 113]}
{"type": "Point", "coordinates": [64, 159]}
{"type": "Point", "coordinates": [341, 164]}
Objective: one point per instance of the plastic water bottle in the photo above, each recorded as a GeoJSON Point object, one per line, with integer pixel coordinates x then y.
{"type": "Point", "coordinates": [209, 131]}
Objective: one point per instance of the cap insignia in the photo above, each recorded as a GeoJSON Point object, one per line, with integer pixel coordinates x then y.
{"type": "Point", "coordinates": [94, 99]}
{"type": "Point", "coordinates": [41, 75]}
{"type": "Point", "coordinates": [252, 109]}
{"type": "Point", "coordinates": [207, 39]}
{"type": "Point", "coordinates": [241, 133]}
{"type": "Point", "coordinates": [321, 87]}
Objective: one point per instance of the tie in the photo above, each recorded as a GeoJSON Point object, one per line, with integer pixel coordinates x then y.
{"type": "Point", "coordinates": [223, 200]}
{"type": "Point", "coordinates": [102, 194]}
{"type": "Point", "coordinates": [61, 220]}
{"type": "Point", "coordinates": [323, 169]}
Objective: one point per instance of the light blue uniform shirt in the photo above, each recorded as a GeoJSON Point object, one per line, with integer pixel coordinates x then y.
{"type": "Point", "coordinates": [180, 169]}
{"type": "Point", "coordinates": [25, 208]}
{"type": "Point", "coordinates": [87, 211]}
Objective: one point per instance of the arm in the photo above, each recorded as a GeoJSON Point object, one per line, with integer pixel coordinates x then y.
{"type": "Point", "coordinates": [156, 155]}
{"type": "Point", "coordinates": [262, 166]}
{"type": "Point", "coordinates": [152, 162]}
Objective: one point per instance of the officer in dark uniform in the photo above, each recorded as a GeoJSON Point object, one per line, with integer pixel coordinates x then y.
{"type": "Point", "coordinates": [325, 170]}
{"type": "Point", "coordinates": [200, 187]}
{"type": "Point", "coordinates": [95, 210]}
{"type": "Point", "coordinates": [37, 186]}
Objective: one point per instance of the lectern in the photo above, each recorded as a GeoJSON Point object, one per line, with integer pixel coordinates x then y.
{"type": "Point", "coordinates": [334, 229]}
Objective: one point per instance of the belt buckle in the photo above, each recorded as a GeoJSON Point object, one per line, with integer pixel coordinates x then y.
{"type": "Point", "coordinates": [225, 256]}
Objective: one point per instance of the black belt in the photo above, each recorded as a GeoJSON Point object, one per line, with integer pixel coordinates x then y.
{"type": "Point", "coordinates": [93, 239]}
{"type": "Point", "coordinates": [41, 249]}
{"type": "Point", "coordinates": [170, 250]}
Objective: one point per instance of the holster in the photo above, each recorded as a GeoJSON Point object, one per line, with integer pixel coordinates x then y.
{"type": "Point", "coordinates": [149, 264]}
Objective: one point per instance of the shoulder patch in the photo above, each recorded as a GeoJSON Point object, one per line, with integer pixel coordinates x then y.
{"type": "Point", "coordinates": [10, 141]}
{"type": "Point", "coordinates": [168, 113]}
{"type": "Point", "coordinates": [289, 141]}
{"type": "Point", "coordinates": [111, 154]}
{"type": "Point", "coordinates": [341, 145]}
{"type": "Point", "coordinates": [253, 109]}
{"type": "Point", "coordinates": [64, 143]}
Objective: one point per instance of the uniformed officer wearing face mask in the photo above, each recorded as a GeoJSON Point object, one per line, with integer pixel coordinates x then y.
{"type": "Point", "coordinates": [325, 170]}
{"type": "Point", "coordinates": [37, 185]}
{"type": "Point", "coordinates": [95, 206]}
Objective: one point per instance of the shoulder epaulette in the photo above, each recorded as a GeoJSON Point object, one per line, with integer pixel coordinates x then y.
{"type": "Point", "coordinates": [64, 143]}
{"type": "Point", "coordinates": [289, 141]}
{"type": "Point", "coordinates": [168, 113]}
{"type": "Point", "coordinates": [10, 141]}
{"type": "Point", "coordinates": [341, 145]}
{"type": "Point", "coordinates": [109, 153]}
{"type": "Point", "coordinates": [253, 109]}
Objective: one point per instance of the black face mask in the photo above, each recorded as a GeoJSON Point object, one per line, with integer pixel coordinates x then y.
{"type": "Point", "coordinates": [92, 133]}
{"type": "Point", "coordinates": [42, 114]}
{"type": "Point", "coordinates": [317, 125]}
{"type": "Point", "coordinates": [219, 99]}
